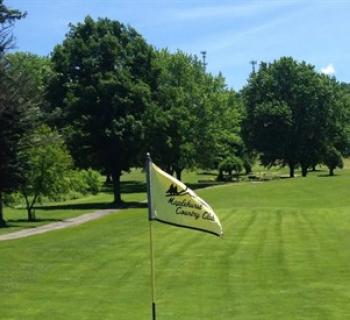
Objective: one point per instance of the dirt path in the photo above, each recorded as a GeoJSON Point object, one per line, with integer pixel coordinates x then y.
{"type": "Point", "coordinates": [57, 225]}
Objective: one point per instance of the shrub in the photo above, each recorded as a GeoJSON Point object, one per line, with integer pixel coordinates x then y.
{"type": "Point", "coordinates": [85, 181]}
{"type": "Point", "coordinates": [332, 159]}
{"type": "Point", "coordinates": [230, 165]}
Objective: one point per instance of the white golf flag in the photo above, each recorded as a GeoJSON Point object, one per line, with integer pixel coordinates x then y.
{"type": "Point", "coordinates": [173, 203]}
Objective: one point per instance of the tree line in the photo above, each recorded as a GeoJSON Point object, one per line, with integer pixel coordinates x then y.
{"type": "Point", "coordinates": [104, 97]}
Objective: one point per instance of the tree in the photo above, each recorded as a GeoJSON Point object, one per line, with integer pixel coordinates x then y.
{"type": "Point", "coordinates": [192, 108]}
{"type": "Point", "coordinates": [12, 120]}
{"type": "Point", "coordinates": [292, 114]}
{"type": "Point", "coordinates": [218, 125]}
{"type": "Point", "coordinates": [36, 72]}
{"type": "Point", "coordinates": [22, 87]}
{"type": "Point", "coordinates": [170, 122]}
{"type": "Point", "coordinates": [8, 18]}
{"type": "Point", "coordinates": [102, 83]}
{"type": "Point", "coordinates": [47, 167]}
{"type": "Point", "coordinates": [229, 165]}
{"type": "Point", "coordinates": [332, 158]}
{"type": "Point", "coordinates": [17, 118]}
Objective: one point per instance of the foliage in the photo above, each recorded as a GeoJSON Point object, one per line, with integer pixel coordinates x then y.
{"type": "Point", "coordinates": [292, 114]}
{"type": "Point", "coordinates": [35, 71]}
{"type": "Point", "coordinates": [85, 181]}
{"type": "Point", "coordinates": [11, 110]}
{"type": "Point", "coordinates": [332, 158]}
{"type": "Point", "coordinates": [8, 18]}
{"type": "Point", "coordinates": [101, 86]}
{"type": "Point", "coordinates": [229, 165]}
{"type": "Point", "coordinates": [48, 164]}
{"type": "Point", "coordinates": [170, 128]}
{"type": "Point", "coordinates": [17, 119]}
{"type": "Point", "coordinates": [193, 111]}
{"type": "Point", "coordinates": [13, 199]}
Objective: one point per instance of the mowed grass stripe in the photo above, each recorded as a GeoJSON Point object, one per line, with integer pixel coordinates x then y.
{"type": "Point", "coordinates": [279, 259]}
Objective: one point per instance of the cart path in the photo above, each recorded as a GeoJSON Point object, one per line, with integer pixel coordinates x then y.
{"type": "Point", "coordinates": [70, 222]}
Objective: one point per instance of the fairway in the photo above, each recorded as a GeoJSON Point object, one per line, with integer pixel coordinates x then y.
{"type": "Point", "coordinates": [285, 255]}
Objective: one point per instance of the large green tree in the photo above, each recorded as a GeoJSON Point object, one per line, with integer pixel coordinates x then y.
{"type": "Point", "coordinates": [102, 83]}
{"type": "Point", "coordinates": [185, 126]}
{"type": "Point", "coordinates": [292, 114]}
{"type": "Point", "coordinates": [12, 111]}
{"type": "Point", "coordinates": [170, 122]}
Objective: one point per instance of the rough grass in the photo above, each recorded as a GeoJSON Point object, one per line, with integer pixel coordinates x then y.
{"type": "Point", "coordinates": [285, 255]}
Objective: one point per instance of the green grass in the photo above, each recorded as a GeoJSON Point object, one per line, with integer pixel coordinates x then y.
{"type": "Point", "coordinates": [133, 190]}
{"type": "Point", "coordinates": [285, 255]}
{"type": "Point", "coordinates": [51, 212]}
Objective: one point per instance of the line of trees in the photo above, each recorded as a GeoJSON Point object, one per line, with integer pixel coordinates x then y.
{"type": "Point", "coordinates": [296, 116]}
{"type": "Point", "coordinates": [105, 97]}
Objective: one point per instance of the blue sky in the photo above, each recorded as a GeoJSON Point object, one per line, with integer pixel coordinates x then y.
{"type": "Point", "coordinates": [232, 32]}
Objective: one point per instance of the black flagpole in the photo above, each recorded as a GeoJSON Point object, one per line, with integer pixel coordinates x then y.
{"type": "Point", "coordinates": [150, 214]}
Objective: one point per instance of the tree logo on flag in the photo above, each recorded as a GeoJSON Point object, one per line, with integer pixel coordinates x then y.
{"type": "Point", "coordinates": [173, 191]}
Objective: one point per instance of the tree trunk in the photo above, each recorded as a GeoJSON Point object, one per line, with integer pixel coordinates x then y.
{"type": "Point", "coordinates": [220, 175]}
{"type": "Point", "coordinates": [169, 169]}
{"type": "Point", "coordinates": [314, 167]}
{"type": "Point", "coordinates": [108, 179]}
{"type": "Point", "coordinates": [331, 171]}
{"type": "Point", "coordinates": [116, 174]}
{"type": "Point", "coordinates": [30, 206]}
{"type": "Point", "coordinates": [291, 170]}
{"type": "Point", "coordinates": [31, 214]}
{"type": "Point", "coordinates": [304, 170]}
{"type": "Point", "coordinates": [178, 174]}
{"type": "Point", "coordinates": [2, 220]}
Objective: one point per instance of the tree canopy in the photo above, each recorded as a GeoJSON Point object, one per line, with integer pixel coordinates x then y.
{"type": "Point", "coordinates": [13, 113]}
{"type": "Point", "coordinates": [8, 17]}
{"type": "Point", "coordinates": [102, 85]}
{"type": "Point", "coordinates": [47, 167]}
{"type": "Point", "coordinates": [292, 114]}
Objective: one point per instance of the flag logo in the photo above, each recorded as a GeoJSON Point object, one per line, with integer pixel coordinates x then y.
{"type": "Point", "coordinates": [172, 202]}
{"type": "Point", "coordinates": [172, 191]}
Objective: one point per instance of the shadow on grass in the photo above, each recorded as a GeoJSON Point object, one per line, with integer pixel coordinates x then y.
{"type": "Point", "coordinates": [36, 220]}
{"type": "Point", "coordinates": [200, 185]}
{"type": "Point", "coordinates": [24, 223]}
{"type": "Point", "coordinates": [207, 173]}
{"type": "Point", "coordinates": [326, 175]}
{"type": "Point", "coordinates": [126, 187]}
{"type": "Point", "coordinates": [94, 206]}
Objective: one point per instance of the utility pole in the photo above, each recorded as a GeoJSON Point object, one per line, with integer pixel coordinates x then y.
{"type": "Point", "coordinates": [204, 55]}
{"type": "Point", "coordinates": [253, 63]}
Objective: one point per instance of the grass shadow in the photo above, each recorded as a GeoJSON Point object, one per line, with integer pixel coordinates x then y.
{"type": "Point", "coordinates": [94, 206]}
{"type": "Point", "coordinates": [200, 185]}
{"type": "Point", "coordinates": [132, 186]}
{"type": "Point", "coordinates": [207, 173]}
{"type": "Point", "coordinates": [36, 220]}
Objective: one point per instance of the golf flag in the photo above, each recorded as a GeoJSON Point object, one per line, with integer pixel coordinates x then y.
{"type": "Point", "coordinates": [171, 202]}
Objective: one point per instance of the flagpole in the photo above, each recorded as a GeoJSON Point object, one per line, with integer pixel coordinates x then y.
{"type": "Point", "coordinates": [150, 214]}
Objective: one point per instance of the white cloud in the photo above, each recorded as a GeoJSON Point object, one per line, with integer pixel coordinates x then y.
{"type": "Point", "coordinates": [329, 70]}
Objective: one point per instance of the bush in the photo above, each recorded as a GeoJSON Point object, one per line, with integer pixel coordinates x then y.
{"type": "Point", "coordinates": [230, 165]}
{"type": "Point", "coordinates": [332, 159]}
{"type": "Point", "coordinates": [85, 182]}
{"type": "Point", "coordinates": [13, 199]}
